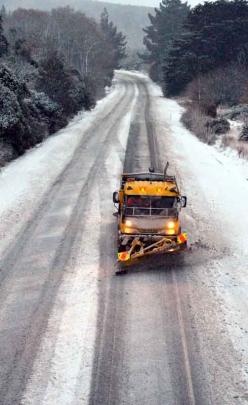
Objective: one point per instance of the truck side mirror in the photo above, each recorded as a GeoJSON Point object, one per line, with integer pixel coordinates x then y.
{"type": "Point", "coordinates": [115, 197]}
{"type": "Point", "coordinates": [183, 201]}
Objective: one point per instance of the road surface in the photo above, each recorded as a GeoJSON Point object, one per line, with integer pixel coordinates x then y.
{"type": "Point", "coordinates": [71, 332]}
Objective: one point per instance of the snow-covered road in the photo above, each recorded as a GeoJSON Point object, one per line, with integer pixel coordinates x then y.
{"type": "Point", "coordinates": [172, 331]}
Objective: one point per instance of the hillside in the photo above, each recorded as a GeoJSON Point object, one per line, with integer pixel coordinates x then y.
{"type": "Point", "coordinates": [129, 19]}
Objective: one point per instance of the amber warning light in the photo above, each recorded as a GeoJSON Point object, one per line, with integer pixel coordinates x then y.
{"type": "Point", "coordinates": [123, 256]}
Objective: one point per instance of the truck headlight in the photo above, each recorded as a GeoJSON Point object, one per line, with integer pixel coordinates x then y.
{"type": "Point", "coordinates": [171, 227]}
{"type": "Point", "coordinates": [128, 226]}
{"type": "Point", "coordinates": [128, 223]}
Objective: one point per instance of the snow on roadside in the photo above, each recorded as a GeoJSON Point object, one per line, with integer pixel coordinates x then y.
{"type": "Point", "coordinates": [67, 349]}
{"type": "Point", "coordinates": [217, 179]}
{"type": "Point", "coordinates": [24, 181]}
{"type": "Point", "coordinates": [220, 175]}
{"type": "Point", "coordinates": [235, 128]}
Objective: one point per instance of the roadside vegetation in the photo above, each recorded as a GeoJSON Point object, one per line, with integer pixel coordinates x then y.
{"type": "Point", "coordinates": [52, 65]}
{"type": "Point", "coordinates": [201, 56]}
{"type": "Point", "coordinates": [165, 26]}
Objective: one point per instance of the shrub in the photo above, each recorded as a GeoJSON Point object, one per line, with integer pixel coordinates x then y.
{"type": "Point", "coordinates": [7, 153]}
{"type": "Point", "coordinates": [238, 112]}
{"type": "Point", "coordinates": [244, 134]}
{"type": "Point", "coordinates": [205, 128]}
{"type": "Point", "coordinates": [197, 122]}
{"type": "Point", "coordinates": [26, 117]}
{"type": "Point", "coordinates": [225, 86]}
{"type": "Point", "coordinates": [10, 81]}
{"type": "Point", "coordinates": [218, 126]}
{"type": "Point", "coordinates": [50, 111]}
{"type": "Point", "coordinates": [12, 128]}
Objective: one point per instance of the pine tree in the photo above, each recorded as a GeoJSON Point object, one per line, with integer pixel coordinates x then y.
{"type": "Point", "coordinates": [3, 12]}
{"type": "Point", "coordinates": [115, 39]}
{"type": "Point", "coordinates": [165, 26]}
{"type": "Point", "coordinates": [54, 80]}
{"type": "Point", "coordinates": [3, 40]}
{"type": "Point", "coordinates": [63, 86]}
{"type": "Point", "coordinates": [215, 34]}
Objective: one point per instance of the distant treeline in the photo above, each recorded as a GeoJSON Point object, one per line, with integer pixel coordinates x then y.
{"type": "Point", "coordinates": [52, 65]}
{"type": "Point", "coordinates": [129, 19]}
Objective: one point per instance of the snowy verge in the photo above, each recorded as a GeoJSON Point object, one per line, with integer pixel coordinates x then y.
{"type": "Point", "coordinates": [24, 181]}
{"type": "Point", "coordinates": [216, 183]}
{"type": "Point", "coordinates": [219, 174]}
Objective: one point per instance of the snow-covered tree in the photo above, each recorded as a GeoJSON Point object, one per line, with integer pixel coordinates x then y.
{"type": "Point", "coordinates": [55, 64]}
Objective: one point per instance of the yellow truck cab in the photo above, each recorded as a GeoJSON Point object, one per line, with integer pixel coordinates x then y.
{"type": "Point", "coordinates": [148, 207]}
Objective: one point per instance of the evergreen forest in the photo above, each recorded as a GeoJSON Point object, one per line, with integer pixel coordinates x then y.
{"type": "Point", "coordinates": [52, 65]}
{"type": "Point", "coordinates": [200, 53]}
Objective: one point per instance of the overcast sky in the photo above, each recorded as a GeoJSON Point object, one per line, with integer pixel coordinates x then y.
{"type": "Point", "coordinates": [149, 3]}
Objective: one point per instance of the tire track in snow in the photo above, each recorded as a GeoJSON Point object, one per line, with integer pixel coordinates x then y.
{"type": "Point", "coordinates": [157, 164]}
{"type": "Point", "coordinates": [111, 377]}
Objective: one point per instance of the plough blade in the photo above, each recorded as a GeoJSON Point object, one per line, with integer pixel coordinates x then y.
{"type": "Point", "coordinates": [163, 245]}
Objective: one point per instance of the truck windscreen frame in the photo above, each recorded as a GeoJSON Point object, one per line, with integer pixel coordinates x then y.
{"type": "Point", "coordinates": [137, 205]}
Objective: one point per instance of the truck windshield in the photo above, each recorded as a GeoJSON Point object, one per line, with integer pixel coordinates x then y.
{"type": "Point", "coordinates": [146, 205]}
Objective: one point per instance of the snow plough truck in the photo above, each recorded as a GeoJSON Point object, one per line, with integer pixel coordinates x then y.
{"type": "Point", "coordinates": [148, 207]}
